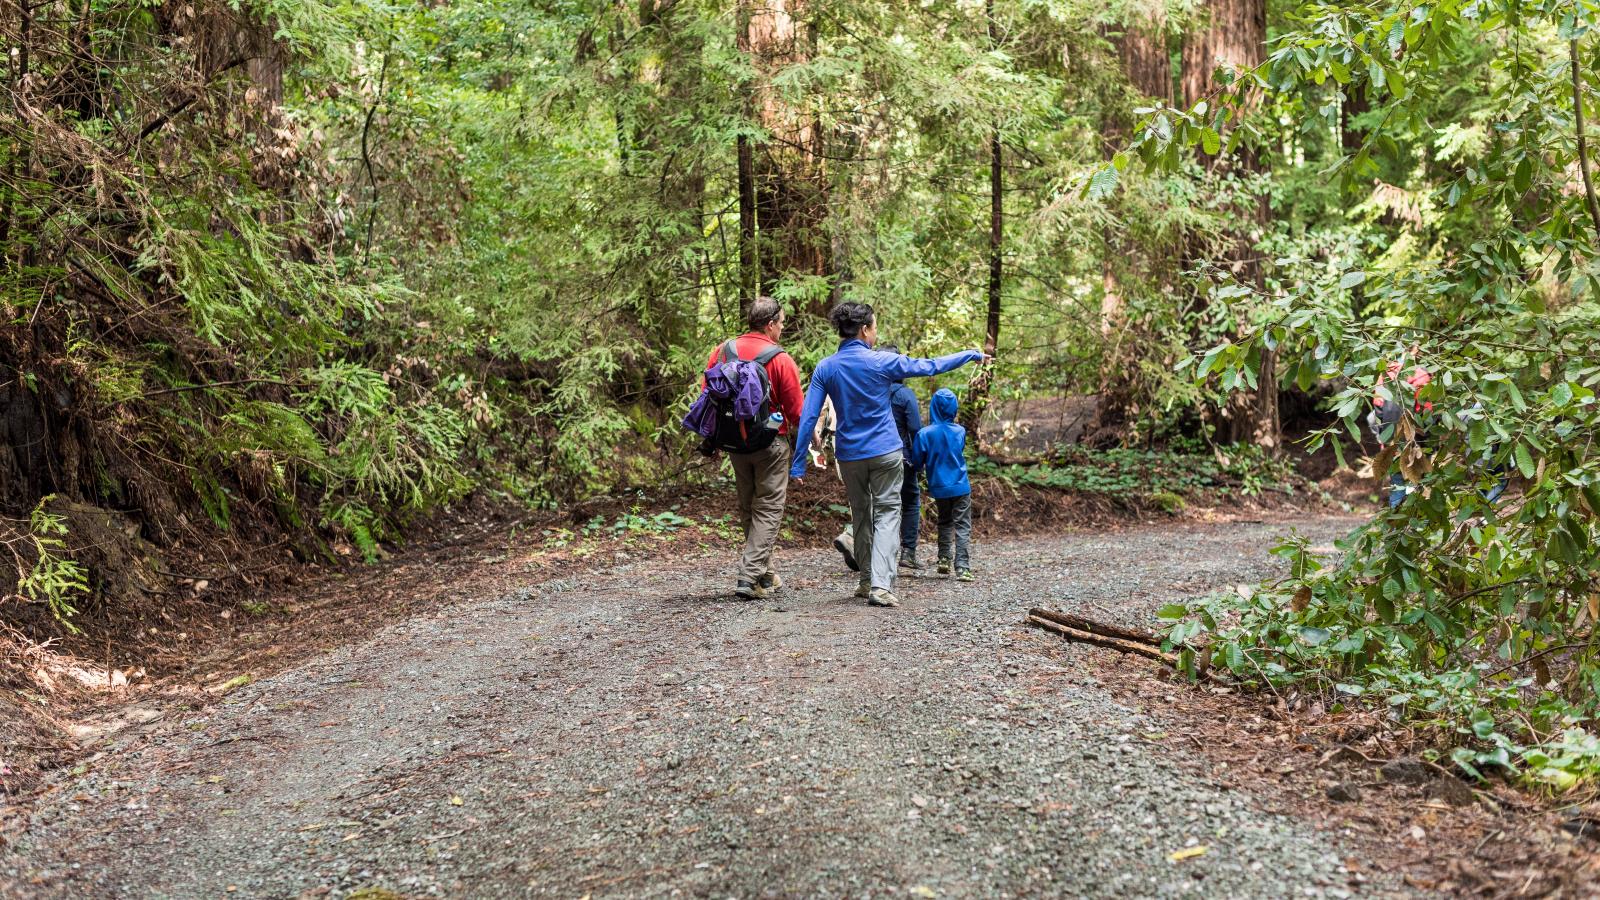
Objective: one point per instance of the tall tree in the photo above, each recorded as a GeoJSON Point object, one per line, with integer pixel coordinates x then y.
{"type": "Point", "coordinates": [1234, 38]}
{"type": "Point", "coordinates": [1142, 49]}
{"type": "Point", "coordinates": [1144, 60]}
{"type": "Point", "coordinates": [786, 171]}
{"type": "Point", "coordinates": [978, 395]}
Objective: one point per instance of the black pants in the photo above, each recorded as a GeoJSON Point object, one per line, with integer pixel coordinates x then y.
{"type": "Point", "coordinates": [955, 527]}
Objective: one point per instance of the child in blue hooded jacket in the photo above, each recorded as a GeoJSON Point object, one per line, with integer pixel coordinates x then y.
{"type": "Point", "coordinates": [940, 449]}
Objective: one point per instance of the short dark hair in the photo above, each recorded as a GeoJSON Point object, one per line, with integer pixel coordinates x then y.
{"type": "Point", "coordinates": [763, 311]}
{"type": "Point", "coordinates": [849, 318]}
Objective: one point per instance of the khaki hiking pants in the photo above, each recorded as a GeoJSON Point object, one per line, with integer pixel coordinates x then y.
{"type": "Point", "coordinates": [873, 488]}
{"type": "Point", "coordinates": [762, 479]}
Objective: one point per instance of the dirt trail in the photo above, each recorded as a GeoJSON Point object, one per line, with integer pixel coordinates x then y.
{"type": "Point", "coordinates": [631, 733]}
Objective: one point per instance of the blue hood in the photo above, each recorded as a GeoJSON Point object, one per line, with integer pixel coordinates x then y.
{"type": "Point", "coordinates": [944, 405]}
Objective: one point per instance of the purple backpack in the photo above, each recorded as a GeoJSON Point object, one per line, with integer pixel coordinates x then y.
{"type": "Point", "coordinates": [731, 412]}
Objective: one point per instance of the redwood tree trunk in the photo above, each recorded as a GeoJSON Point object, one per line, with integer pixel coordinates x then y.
{"type": "Point", "coordinates": [1234, 36]}
{"type": "Point", "coordinates": [1146, 60]}
{"type": "Point", "coordinates": [1143, 50]}
{"type": "Point", "coordinates": [787, 173]}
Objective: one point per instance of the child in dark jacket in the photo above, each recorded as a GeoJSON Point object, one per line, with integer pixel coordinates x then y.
{"type": "Point", "coordinates": [940, 450]}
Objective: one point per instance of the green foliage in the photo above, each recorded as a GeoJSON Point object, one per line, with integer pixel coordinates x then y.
{"type": "Point", "coordinates": [50, 576]}
{"type": "Point", "coordinates": [1472, 258]}
{"type": "Point", "coordinates": [1162, 477]}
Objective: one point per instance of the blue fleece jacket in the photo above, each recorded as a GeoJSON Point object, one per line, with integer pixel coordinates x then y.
{"type": "Point", "coordinates": [941, 448]}
{"type": "Point", "coordinates": [907, 413]}
{"type": "Point", "coordinates": [857, 379]}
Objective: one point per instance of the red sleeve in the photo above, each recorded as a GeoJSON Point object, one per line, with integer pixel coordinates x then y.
{"type": "Point", "coordinates": [716, 353]}
{"type": "Point", "coordinates": [785, 378]}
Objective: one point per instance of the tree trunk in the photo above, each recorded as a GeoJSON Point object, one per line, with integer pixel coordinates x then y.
{"type": "Point", "coordinates": [749, 249]}
{"type": "Point", "coordinates": [991, 331]}
{"type": "Point", "coordinates": [1143, 50]}
{"type": "Point", "coordinates": [789, 179]}
{"type": "Point", "coordinates": [1234, 37]}
{"type": "Point", "coordinates": [1146, 61]}
{"type": "Point", "coordinates": [978, 395]}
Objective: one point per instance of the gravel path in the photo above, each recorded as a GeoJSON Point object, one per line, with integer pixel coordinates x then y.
{"type": "Point", "coordinates": [633, 734]}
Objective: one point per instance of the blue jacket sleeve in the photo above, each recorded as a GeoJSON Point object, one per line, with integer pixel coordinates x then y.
{"type": "Point", "coordinates": [919, 450]}
{"type": "Point", "coordinates": [815, 392]}
{"type": "Point", "coordinates": [900, 367]}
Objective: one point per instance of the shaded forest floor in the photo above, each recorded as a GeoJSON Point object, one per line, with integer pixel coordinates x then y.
{"type": "Point", "coordinates": [510, 709]}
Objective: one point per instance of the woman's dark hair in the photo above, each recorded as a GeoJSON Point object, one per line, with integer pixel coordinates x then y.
{"type": "Point", "coordinates": [849, 318]}
{"type": "Point", "coordinates": [763, 312]}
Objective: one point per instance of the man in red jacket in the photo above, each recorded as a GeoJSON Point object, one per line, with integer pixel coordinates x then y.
{"type": "Point", "coordinates": [762, 477]}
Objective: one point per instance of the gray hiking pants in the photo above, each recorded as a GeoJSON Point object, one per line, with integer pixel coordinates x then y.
{"type": "Point", "coordinates": [955, 527]}
{"type": "Point", "coordinates": [873, 488]}
{"type": "Point", "coordinates": [762, 480]}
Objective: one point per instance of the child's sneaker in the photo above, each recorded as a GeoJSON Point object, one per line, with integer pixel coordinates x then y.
{"type": "Point", "coordinates": [943, 566]}
{"type": "Point", "coordinates": [964, 575]}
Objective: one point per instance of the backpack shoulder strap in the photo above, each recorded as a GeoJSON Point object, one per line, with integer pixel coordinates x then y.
{"type": "Point", "coordinates": [730, 350]}
{"type": "Point", "coordinates": [767, 355]}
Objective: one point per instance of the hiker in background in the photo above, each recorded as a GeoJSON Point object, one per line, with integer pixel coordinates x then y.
{"type": "Point", "coordinates": [1384, 420]}
{"type": "Point", "coordinates": [907, 420]}
{"type": "Point", "coordinates": [941, 448]}
{"type": "Point", "coordinates": [759, 444]}
{"type": "Point", "coordinates": [858, 379]}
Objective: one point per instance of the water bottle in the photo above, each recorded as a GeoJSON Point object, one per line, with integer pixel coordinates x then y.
{"type": "Point", "coordinates": [775, 421]}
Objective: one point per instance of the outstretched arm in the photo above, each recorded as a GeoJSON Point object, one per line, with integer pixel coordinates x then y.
{"type": "Point", "coordinates": [906, 367]}
{"type": "Point", "coordinates": [808, 424]}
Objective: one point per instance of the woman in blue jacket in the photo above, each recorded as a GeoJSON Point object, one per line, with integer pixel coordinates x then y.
{"type": "Point", "coordinates": [867, 445]}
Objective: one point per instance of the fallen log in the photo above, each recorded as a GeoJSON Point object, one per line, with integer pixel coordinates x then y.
{"type": "Point", "coordinates": [1137, 648]}
{"type": "Point", "coordinates": [1137, 635]}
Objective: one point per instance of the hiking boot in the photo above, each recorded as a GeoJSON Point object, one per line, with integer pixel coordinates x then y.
{"type": "Point", "coordinates": [908, 558]}
{"type": "Point", "coordinates": [845, 551]}
{"type": "Point", "coordinates": [864, 590]}
{"type": "Point", "coordinates": [964, 575]}
{"type": "Point", "coordinates": [881, 597]}
{"type": "Point", "coordinates": [943, 566]}
{"type": "Point", "coordinates": [747, 591]}
{"type": "Point", "coordinates": [770, 582]}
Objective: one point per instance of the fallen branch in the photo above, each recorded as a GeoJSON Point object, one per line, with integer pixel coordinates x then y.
{"type": "Point", "coordinates": [1078, 635]}
{"type": "Point", "coordinates": [1137, 635]}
